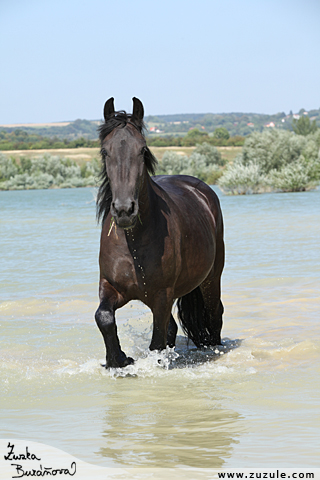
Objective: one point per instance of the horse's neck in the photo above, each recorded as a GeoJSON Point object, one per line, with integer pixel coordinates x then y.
{"type": "Point", "coordinates": [146, 196]}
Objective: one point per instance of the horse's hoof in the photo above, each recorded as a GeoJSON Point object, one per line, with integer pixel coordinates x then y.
{"type": "Point", "coordinates": [128, 361]}
{"type": "Point", "coordinates": [119, 364]}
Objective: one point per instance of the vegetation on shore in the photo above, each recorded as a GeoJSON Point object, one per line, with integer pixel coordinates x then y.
{"type": "Point", "coordinates": [52, 171]}
{"type": "Point", "coordinates": [46, 172]}
{"type": "Point", "coordinates": [274, 161]}
{"type": "Point", "coordinates": [205, 163]}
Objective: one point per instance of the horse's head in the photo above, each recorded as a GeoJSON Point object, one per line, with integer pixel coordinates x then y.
{"type": "Point", "coordinates": [125, 160]}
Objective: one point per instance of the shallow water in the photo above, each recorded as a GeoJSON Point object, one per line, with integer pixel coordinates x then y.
{"type": "Point", "coordinates": [254, 402]}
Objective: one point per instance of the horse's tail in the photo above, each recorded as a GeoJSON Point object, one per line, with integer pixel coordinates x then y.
{"type": "Point", "coordinates": [194, 318]}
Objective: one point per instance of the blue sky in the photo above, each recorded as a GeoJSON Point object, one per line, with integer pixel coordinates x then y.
{"type": "Point", "coordinates": [61, 59]}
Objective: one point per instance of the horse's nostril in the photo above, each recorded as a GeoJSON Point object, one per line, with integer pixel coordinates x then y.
{"type": "Point", "coordinates": [131, 209]}
{"type": "Point", "coordinates": [125, 209]}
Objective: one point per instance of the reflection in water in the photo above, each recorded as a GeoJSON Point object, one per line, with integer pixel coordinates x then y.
{"type": "Point", "coordinates": [166, 428]}
{"type": "Point", "coordinates": [159, 421]}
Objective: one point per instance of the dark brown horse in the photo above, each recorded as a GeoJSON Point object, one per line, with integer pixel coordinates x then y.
{"type": "Point", "coordinates": [161, 241]}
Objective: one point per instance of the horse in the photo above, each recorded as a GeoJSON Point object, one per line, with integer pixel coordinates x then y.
{"type": "Point", "coordinates": [161, 241]}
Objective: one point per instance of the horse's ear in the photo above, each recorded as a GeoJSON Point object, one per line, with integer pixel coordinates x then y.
{"type": "Point", "coordinates": [108, 108]}
{"type": "Point", "coordinates": [138, 111]}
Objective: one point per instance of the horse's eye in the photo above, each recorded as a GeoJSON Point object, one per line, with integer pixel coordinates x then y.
{"type": "Point", "coordinates": [104, 152]}
{"type": "Point", "coordinates": [143, 150]}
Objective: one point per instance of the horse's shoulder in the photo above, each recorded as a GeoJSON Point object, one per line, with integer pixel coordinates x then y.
{"type": "Point", "coordinates": [183, 192]}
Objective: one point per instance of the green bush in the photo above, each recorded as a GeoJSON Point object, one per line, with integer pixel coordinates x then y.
{"type": "Point", "coordinates": [212, 177]}
{"type": "Point", "coordinates": [240, 179]}
{"type": "Point", "coordinates": [165, 141]}
{"type": "Point", "coordinates": [199, 166]}
{"type": "Point", "coordinates": [203, 163]}
{"type": "Point", "coordinates": [291, 178]}
{"type": "Point", "coordinates": [278, 160]}
{"type": "Point", "coordinates": [303, 126]}
{"type": "Point", "coordinates": [8, 168]}
{"type": "Point", "coordinates": [194, 136]}
{"type": "Point", "coordinates": [212, 154]}
{"type": "Point", "coordinates": [46, 172]}
{"type": "Point", "coordinates": [236, 141]}
{"type": "Point", "coordinates": [221, 133]}
{"type": "Point", "coordinates": [272, 149]}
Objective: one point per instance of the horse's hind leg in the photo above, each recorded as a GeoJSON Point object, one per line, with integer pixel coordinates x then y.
{"type": "Point", "coordinates": [172, 332]}
{"type": "Point", "coordinates": [105, 318]}
{"type": "Point", "coordinates": [211, 293]}
{"type": "Point", "coordinates": [213, 307]}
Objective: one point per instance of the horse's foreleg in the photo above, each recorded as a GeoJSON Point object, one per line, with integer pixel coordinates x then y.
{"type": "Point", "coordinates": [161, 310]}
{"type": "Point", "coordinates": [105, 318]}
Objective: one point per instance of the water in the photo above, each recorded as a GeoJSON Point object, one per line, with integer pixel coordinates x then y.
{"type": "Point", "coordinates": [254, 402]}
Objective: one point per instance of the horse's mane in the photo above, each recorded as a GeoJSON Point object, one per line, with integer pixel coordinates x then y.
{"type": "Point", "coordinates": [114, 120]}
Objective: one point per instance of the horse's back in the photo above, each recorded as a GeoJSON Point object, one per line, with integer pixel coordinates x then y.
{"type": "Point", "coordinates": [195, 226]}
{"type": "Point", "coordinates": [187, 192]}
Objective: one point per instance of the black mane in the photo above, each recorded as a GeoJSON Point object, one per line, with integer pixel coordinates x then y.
{"type": "Point", "coordinates": [114, 120]}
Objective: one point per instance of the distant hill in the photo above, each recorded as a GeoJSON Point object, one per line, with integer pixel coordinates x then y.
{"type": "Point", "coordinates": [236, 123]}
{"type": "Point", "coordinates": [177, 125]}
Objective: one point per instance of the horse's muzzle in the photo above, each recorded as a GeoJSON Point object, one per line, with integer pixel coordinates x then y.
{"type": "Point", "coordinates": [124, 215]}
{"type": "Point", "coordinates": [126, 222]}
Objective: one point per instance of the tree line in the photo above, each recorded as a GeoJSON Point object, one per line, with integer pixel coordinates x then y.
{"type": "Point", "coordinates": [217, 130]}
{"type": "Point", "coordinates": [19, 139]}
{"type": "Point", "coordinates": [220, 137]}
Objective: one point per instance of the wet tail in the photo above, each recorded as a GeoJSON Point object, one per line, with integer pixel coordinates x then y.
{"type": "Point", "coordinates": [195, 319]}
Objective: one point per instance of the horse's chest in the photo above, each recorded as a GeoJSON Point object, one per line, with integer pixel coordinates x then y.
{"type": "Point", "coordinates": [135, 266]}
{"type": "Point", "coordinates": [140, 271]}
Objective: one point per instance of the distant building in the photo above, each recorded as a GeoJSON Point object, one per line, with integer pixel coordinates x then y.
{"type": "Point", "coordinates": [296, 116]}
{"type": "Point", "coordinates": [250, 124]}
{"type": "Point", "coordinates": [155, 130]}
{"type": "Point", "coordinates": [271, 124]}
